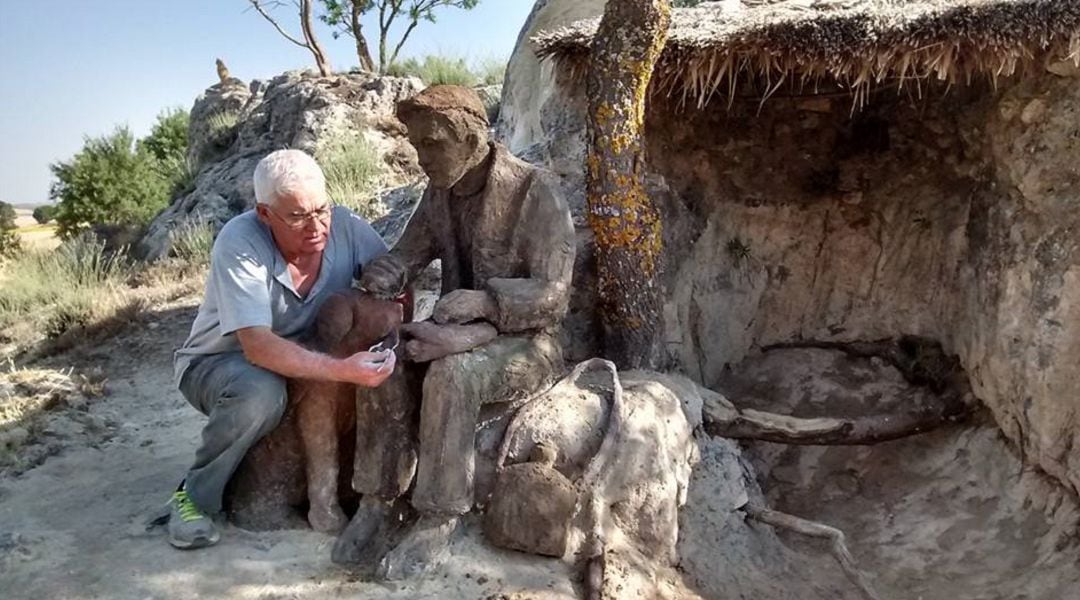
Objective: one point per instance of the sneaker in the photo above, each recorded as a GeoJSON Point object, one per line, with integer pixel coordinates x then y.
{"type": "Point", "coordinates": [189, 528]}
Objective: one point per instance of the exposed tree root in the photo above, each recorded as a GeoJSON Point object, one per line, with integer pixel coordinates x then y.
{"type": "Point", "coordinates": [921, 361]}
{"type": "Point", "coordinates": [724, 420]}
{"type": "Point", "coordinates": [818, 530]}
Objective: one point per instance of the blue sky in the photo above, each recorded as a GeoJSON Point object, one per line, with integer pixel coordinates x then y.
{"type": "Point", "coordinates": [71, 68]}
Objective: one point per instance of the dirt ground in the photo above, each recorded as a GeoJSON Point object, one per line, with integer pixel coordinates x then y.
{"type": "Point", "coordinates": [946, 516]}
{"type": "Point", "coordinates": [73, 527]}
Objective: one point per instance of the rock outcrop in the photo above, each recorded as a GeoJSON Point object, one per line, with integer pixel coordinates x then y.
{"type": "Point", "coordinates": [531, 85]}
{"type": "Point", "coordinates": [233, 126]}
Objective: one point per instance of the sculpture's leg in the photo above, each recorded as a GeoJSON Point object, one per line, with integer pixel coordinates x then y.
{"type": "Point", "coordinates": [317, 411]}
{"type": "Point", "coordinates": [454, 388]}
{"type": "Point", "coordinates": [385, 459]}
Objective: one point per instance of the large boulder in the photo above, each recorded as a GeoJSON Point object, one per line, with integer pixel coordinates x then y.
{"type": "Point", "coordinates": [530, 94]}
{"type": "Point", "coordinates": [233, 127]}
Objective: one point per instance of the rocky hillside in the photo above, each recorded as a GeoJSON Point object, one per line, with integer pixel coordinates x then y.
{"type": "Point", "coordinates": [234, 125]}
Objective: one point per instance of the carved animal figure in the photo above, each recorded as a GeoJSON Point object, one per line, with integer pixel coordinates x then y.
{"type": "Point", "coordinates": [347, 323]}
{"type": "Point", "coordinates": [313, 442]}
{"type": "Point", "coordinates": [222, 70]}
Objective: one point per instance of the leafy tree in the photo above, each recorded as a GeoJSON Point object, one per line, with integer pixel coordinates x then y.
{"type": "Point", "coordinates": [9, 240]}
{"type": "Point", "coordinates": [44, 213]}
{"type": "Point", "coordinates": [168, 144]}
{"type": "Point", "coordinates": [168, 139]}
{"type": "Point", "coordinates": [112, 180]}
{"type": "Point", "coordinates": [345, 17]}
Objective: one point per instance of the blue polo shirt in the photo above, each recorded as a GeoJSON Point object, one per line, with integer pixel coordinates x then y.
{"type": "Point", "coordinates": [250, 286]}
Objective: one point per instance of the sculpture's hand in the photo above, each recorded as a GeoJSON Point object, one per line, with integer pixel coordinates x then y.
{"type": "Point", "coordinates": [430, 341]}
{"type": "Point", "coordinates": [384, 276]}
{"type": "Point", "coordinates": [462, 306]}
{"type": "Point", "coordinates": [367, 369]}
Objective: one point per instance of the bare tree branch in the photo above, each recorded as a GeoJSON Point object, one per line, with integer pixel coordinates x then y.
{"type": "Point", "coordinates": [818, 530]}
{"type": "Point", "coordinates": [258, 7]}
{"type": "Point", "coordinates": [311, 43]}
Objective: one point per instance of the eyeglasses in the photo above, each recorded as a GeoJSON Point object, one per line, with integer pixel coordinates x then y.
{"type": "Point", "coordinates": [298, 221]}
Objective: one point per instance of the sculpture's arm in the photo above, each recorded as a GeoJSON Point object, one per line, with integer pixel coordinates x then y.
{"type": "Point", "coordinates": [541, 299]}
{"type": "Point", "coordinates": [416, 247]}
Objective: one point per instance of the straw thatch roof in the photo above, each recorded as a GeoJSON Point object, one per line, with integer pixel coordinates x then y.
{"type": "Point", "coordinates": [853, 43]}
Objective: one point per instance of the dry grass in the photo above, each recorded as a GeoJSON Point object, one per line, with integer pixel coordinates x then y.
{"type": "Point", "coordinates": [78, 293]}
{"type": "Point", "coordinates": [857, 45]}
{"type": "Point", "coordinates": [29, 397]}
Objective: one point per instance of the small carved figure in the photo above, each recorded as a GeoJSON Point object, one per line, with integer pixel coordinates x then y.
{"type": "Point", "coordinates": [348, 322]}
{"type": "Point", "coordinates": [222, 70]}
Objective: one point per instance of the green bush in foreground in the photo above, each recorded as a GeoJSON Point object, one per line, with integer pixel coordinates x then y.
{"type": "Point", "coordinates": [353, 169]}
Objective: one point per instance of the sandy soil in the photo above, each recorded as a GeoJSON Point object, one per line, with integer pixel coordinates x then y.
{"type": "Point", "coordinates": [73, 527]}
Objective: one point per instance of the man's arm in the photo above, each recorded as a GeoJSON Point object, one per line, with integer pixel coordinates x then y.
{"type": "Point", "coordinates": [263, 348]}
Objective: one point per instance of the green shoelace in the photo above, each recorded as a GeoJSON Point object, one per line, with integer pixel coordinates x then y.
{"type": "Point", "coordinates": [187, 509]}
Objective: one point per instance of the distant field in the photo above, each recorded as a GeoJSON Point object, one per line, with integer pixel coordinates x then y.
{"type": "Point", "coordinates": [24, 217]}
{"type": "Point", "coordinates": [35, 235]}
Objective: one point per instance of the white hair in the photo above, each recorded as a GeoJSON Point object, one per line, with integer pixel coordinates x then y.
{"type": "Point", "coordinates": [285, 173]}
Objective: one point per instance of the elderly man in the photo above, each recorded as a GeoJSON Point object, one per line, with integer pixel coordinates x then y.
{"type": "Point", "coordinates": [270, 271]}
{"type": "Point", "coordinates": [506, 242]}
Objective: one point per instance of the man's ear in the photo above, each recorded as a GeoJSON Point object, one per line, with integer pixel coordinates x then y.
{"type": "Point", "coordinates": [260, 212]}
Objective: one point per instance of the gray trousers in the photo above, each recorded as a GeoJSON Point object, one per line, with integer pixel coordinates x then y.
{"type": "Point", "coordinates": [454, 389]}
{"type": "Point", "coordinates": [243, 403]}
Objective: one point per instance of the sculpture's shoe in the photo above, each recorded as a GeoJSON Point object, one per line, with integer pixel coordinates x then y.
{"type": "Point", "coordinates": [189, 527]}
{"type": "Point", "coordinates": [426, 546]}
{"type": "Point", "coordinates": [365, 525]}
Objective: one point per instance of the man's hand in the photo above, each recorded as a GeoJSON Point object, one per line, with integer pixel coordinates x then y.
{"type": "Point", "coordinates": [367, 369]}
{"type": "Point", "coordinates": [462, 306]}
{"type": "Point", "coordinates": [384, 276]}
{"type": "Point", "coordinates": [430, 341]}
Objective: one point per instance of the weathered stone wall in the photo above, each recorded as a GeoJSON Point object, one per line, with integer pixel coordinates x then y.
{"type": "Point", "coordinates": [955, 217]}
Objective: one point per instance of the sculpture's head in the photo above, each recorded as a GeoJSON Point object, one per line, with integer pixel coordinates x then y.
{"type": "Point", "coordinates": [291, 199]}
{"type": "Point", "coordinates": [448, 127]}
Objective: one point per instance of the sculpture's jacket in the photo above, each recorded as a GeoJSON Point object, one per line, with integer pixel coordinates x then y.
{"type": "Point", "coordinates": [512, 236]}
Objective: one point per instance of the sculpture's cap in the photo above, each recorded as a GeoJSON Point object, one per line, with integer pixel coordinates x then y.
{"type": "Point", "coordinates": [440, 99]}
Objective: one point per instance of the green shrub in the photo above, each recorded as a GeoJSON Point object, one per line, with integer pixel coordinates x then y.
{"type": "Point", "coordinates": [491, 71]}
{"type": "Point", "coordinates": [435, 70]}
{"type": "Point", "coordinates": [7, 216]}
{"type": "Point", "coordinates": [353, 170]}
{"type": "Point", "coordinates": [44, 213]}
{"type": "Point", "coordinates": [221, 128]}
{"type": "Point", "coordinates": [111, 181]}
{"type": "Point", "coordinates": [10, 245]}
{"type": "Point", "coordinates": [116, 180]}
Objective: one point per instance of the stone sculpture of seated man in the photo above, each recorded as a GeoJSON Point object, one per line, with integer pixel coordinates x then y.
{"type": "Point", "coordinates": [506, 241]}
